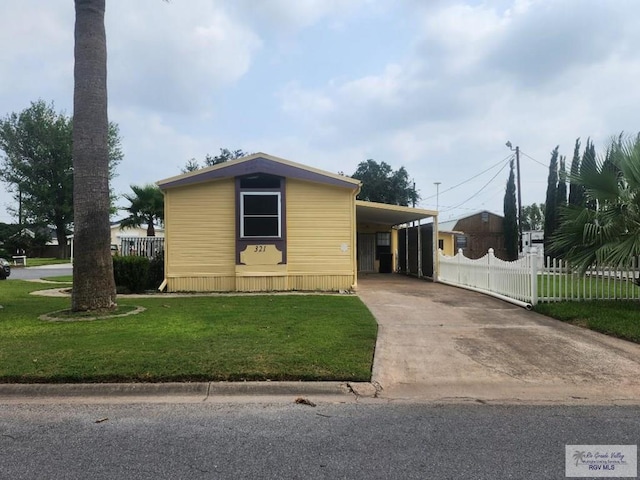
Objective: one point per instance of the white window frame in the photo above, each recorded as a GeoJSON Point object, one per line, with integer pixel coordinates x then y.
{"type": "Point", "coordinates": [279, 215]}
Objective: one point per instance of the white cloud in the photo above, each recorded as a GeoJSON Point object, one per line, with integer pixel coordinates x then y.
{"type": "Point", "coordinates": [168, 57]}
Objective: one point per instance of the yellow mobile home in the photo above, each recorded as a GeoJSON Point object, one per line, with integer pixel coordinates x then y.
{"type": "Point", "coordinates": [262, 223]}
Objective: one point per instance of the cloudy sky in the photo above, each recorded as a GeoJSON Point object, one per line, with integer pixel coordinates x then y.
{"type": "Point", "coordinates": [436, 86]}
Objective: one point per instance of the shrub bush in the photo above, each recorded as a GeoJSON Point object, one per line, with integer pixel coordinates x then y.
{"type": "Point", "coordinates": [156, 271]}
{"type": "Point", "coordinates": [131, 273]}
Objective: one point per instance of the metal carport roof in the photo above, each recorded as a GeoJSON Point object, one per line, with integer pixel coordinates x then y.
{"type": "Point", "coordinates": [392, 215]}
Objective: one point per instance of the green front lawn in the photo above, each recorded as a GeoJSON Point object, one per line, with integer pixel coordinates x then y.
{"type": "Point", "coordinates": [38, 262]}
{"type": "Point", "coordinates": [270, 337]}
{"type": "Point", "coordinates": [618, 318]}
{"type": "Point", "coordinates": [585, 286]}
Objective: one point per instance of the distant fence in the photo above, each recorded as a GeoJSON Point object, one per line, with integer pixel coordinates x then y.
{"type": "Point", "coordinates": [530, 279]}
{"type": "Point", "coordinates": [141, 246]}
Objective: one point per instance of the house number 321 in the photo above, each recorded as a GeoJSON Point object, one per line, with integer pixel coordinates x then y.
{"type": "Point", "coordinates": [260, 248]}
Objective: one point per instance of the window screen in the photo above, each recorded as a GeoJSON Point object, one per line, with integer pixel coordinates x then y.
{"type": "Point", "coordinates": [260, 214]}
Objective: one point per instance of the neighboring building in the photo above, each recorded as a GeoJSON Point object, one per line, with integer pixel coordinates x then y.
{"type": "Point", "coordinates": [118, 234]}
{"type": "Point", "coordinates": [481, 231]}
{"type": "Point", "coordinates": [262, 223]}
{"type": "Point", "coordinates": [531, 239]}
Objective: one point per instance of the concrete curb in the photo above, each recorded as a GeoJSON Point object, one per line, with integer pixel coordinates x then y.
{"type": "Point", "coordinates": [195, 389]}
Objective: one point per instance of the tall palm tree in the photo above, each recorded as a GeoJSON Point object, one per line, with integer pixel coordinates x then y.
{"type": "Point", "coordinates": [93, 282]}
{"type": "Point", "coordinates": [147, 206]}
{"type": "Point", "coordinates": [607, 230]}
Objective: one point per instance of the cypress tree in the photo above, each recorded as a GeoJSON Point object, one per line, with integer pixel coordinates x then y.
{"type": "Point", "coordinates": [589, 164]}
{"type": "Point", "coordinates": [576, 191]}
{"type": "Point", "coordinates": [550, 211]}
{"type": "Point", "coordinates": [510, 220]}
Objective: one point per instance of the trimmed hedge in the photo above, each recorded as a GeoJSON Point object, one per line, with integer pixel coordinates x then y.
{"type": "Point", "coordinates": [135, 274]}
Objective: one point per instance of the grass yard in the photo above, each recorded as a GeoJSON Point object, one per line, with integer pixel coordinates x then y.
{"type": "Point", "coordinates": [38, 262]}
{"type": "Point", "coordinates": [586, 287]}
{"type": "Point", "coordinates": [278, 337]}
{"type": "Point", "coordinates": [618, 318]}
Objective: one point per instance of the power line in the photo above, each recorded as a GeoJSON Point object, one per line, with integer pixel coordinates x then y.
{"type": "Point", "coordinates": [472, 178]}
{"type": "Point", "coordinates": [483, 187]}
{"type": "Point", "coordinates": [529, 156]}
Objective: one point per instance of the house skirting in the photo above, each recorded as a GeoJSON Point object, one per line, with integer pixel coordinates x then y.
{"type": "Point", "coordinates": [261, 283]}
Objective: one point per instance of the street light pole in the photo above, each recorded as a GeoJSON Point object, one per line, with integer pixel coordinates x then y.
{"type": "Point", "coordinates": [517, 150]}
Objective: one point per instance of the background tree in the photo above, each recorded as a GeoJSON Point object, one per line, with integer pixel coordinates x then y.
{"type": "Point", "coordinates": [576, 191]}
{"type": "Point", "coordinates": [588, 164]}
{"type": "Point", "coordinates": [381, 184]}
{"type": "Point", "coordinates": [146, 206]}
{"type": "Point", "coordinates": [38, 165]}
{"type": "Point", "coordinates": [225, 155]}
{"type": "Point", "coordinates": [533, 216]}
{"type": "Point", "coordinates": [93, 282]}
{"type": "Point", "coordinates": [510, 219]}
{"type": "Point", "coordinates": [550, 211]}
{"type": "Point", "coordinates": [607, 228]}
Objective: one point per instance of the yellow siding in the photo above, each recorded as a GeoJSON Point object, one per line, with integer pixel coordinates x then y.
{"type": "Point", "coordinates": [201, 284]}
{"type": "Point", "coordinates": [200, 229]}
{"type": "Point", "coordinates": [448, 240]}
{"type": "Point", "coordinates": [319, 229]}
{"type": "Point", "coordinates": [201, 240]}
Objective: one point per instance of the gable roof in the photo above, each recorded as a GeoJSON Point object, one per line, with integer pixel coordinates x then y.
{"type": "Point", "coordinates": [260, 163]}
{"type": "Point", "coordinates": [451, 224]}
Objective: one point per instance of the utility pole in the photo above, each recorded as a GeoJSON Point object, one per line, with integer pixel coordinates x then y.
{"type": "Point", "coordinates": [517, 150]}
{"type": "Point", "coordinates": [437, 184]}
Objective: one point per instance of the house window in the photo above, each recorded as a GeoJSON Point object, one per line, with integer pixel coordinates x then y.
{"type": "Point", "coordinates": [383, 243]}
{"type": "Point", "coordinates": [260, 214]}
{"type": "Point", "coordinates": [441, 244]}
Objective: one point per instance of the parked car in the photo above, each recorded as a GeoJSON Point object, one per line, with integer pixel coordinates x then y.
{"type": "Point", "coordinates": [5, 269]}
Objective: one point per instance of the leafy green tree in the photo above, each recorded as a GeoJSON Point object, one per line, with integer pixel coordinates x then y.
{"type": "Point", "coordinates": [93, 282]}
{"type": "Point", "coordinates": [510, 219]}
{"type": "Point", "coordinates": [209, 161]}
{"type": "Point", "coordinates": [146, 206]}
{"type": "Point", "coordinates": [381, 184]}
{"type": "Point", "coordinates": [533, 216]}
{"type": "Point", "coordinates": [607, 229]}
{"type": "Point", "coordinates": [550, 211]}
{"type": "Point", "coordinates": [38, 165]}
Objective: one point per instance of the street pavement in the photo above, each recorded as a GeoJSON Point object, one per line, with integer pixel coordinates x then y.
{"type": "Point", "coordinates": [34, 273]}
{"type": "Point", "coordinates": [296, 441]}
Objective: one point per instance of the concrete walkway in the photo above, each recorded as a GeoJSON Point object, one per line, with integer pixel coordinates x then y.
{"type": "Point", "coordinates": [441, 343]}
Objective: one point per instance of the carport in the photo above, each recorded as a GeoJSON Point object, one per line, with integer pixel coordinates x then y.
{"type": "Point", "coordinates": [378, 240]}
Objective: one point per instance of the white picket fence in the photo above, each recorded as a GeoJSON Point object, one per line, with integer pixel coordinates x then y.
{"type": "Point", "coordinates": [141, 246]}
{"type": "Point", "coordinates": [528, 280]}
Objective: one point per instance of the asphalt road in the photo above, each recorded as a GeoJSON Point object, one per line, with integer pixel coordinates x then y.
{"type": "Point", "coordinates": [33, 273]}
{"type": "Point", "coordinates": [290, 441]}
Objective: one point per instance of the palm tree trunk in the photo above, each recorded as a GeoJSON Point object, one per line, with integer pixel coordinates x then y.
{"type": "Point", "coordinates": [93, 283]}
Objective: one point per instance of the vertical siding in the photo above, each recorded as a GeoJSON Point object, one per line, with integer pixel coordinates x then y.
{"type": "Point", "coordinates": [201, 229]}
{"type": "Point", "coordinates": [319, 229]}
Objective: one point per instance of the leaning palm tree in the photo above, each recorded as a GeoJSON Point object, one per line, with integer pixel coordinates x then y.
{"type": "Point", "coordinates": [146, 206]}
{"type": "Point", "coordinates": [93, 282]}
{"type": "Point", "coordinates": [607, 230]}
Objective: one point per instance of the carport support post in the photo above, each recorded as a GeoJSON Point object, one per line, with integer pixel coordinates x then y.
{"type": "Point", "coordinates": [419, 252]}
{"type": "Point", "coordinates": [436, 255]}
{"type": "Point", "coordinates": [406, 248]}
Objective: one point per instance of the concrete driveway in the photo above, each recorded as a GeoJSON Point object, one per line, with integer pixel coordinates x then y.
{"type": "Point", "coordinates": [441, 343]}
